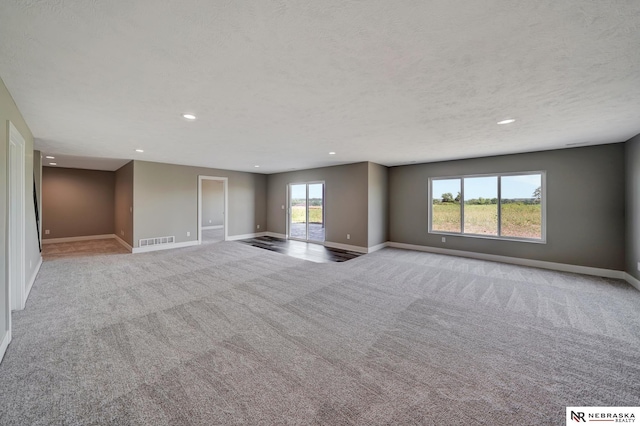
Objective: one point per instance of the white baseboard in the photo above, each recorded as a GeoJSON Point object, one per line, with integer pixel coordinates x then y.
{"type": "Point", "coordinates": [377, 247]}
{"type": "Point", "coordinates": [123, 243]}
{"type": "Point", "coordinates": [5, 344]}
{"type": "Point", "coordinates": [72, 239]}
{"type": "Point", "coordinates": [205, 228]}
{"type": "Point", "coordinates": [632, 280]}
{"type": "Point", "coordinates": [165, 246]}
{"type": "Point", "coordinates": [33, 278]}
{"type": "Point", "coordinates": [346, 247]}
{"type": "Point", "coordinates": [246, 236]}
{"type": "Point", "coordinates": [576, 269]}
{"type": "Point", "coordinates": [275, 235]}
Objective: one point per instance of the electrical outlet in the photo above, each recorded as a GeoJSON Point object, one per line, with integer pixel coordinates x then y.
{"type": "Point", "coordinates": [188, 234]}
{"type": "Point", "coordinates": [130, 209]}
{"type": "Point", "coordinates": [30, 264]}
{"type": "Point", "coordinates": [348, 236]}
{"type": "Point", "coordinates": [258, 227]}
{"type": "Point", "coordinates": [209, 220]}
{"type": "Point", "coordinates": [46, 232]}
{"type": "Point", "coordinates": [283, 207]}
{"type": "Point", "coordinates": [121, 232]}
{"type": "Point", "coordinates": [444, 239]}
{"type": "Point", "coordinates": [638, 266]}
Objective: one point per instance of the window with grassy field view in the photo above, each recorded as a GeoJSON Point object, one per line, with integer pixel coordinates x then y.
{"type": "Point", "coordinates": [509, 206]}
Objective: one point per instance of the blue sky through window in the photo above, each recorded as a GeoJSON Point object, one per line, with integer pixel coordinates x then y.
{"type": "Point", "coordinates": [300, 190]}
{"type": "Point", "coordinates": [518, 186]}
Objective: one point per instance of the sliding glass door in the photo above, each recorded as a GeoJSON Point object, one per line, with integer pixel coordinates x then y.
{"type": "Point", "coordinates": [306, 211]}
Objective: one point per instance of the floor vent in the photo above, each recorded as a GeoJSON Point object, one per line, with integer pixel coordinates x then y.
{"type": "Point", "coordinates": [144, 242]}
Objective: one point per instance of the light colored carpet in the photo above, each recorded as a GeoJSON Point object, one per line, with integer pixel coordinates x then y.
{"type": "Point", "coordinates": [232, 334]}
{"type": "Point", "coordinates": [52, 251]}
{"type": "Point", "coordinates": [212, 236]}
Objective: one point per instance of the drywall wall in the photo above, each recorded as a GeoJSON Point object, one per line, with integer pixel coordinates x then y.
{"type": "Point", "coordinates": [378, 204]}
{"type": "Point", "coordinates": [212, 203]}
{"type": "Point", "coordinates": [9, 113]}
{"type": "Point", "coordinates": [123, 203]}
{"type": "Point", "coordinates": [632, 157]}
{"type": "Point", "coordinates": [165, 200]}
{"type": "Point", "coordinates": [585, 205]}
{"type": "Point", "coordinates": [77, 202]}
{"type": "Point", "coordinates": [346, 206]}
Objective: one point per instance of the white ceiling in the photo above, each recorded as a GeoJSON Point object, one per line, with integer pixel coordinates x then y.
{"type": "Point", "coordinates": [281, 83]}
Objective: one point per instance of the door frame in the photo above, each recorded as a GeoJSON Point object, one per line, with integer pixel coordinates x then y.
{"type": "Point", "coordinates": [288, 215]}
{"type": "Point", "coordinates": [225, 191]}
{"type": "Point", "coordinates": [17, 227]}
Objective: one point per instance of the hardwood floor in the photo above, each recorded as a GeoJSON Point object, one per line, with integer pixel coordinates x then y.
{"type": "Point", "coordinates": [307, 251]}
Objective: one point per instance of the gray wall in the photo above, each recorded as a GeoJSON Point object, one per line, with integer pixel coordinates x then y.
{"type": "Point", "coordinates": [123, 203]}
{"type": "Point", "coordinates": [9, 113]}
{"type": "Point", "coordinates": [632, 155]}
{"type": "Point", "coordinates": [77, 202]}
{"type": "Point", "coordinates": [378, 204]}
{"type": "Point", "coordinates": [165, 200]}
{"type": "Point", "coordinates": [346, 204]}
{"type": "Point", "coordinates": [585, 205]}
{"type": "Point", "coordinates": [212, 203]}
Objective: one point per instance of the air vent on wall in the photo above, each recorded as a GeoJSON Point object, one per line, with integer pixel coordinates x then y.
{"type": "Point", "coordinates": [144, 242]}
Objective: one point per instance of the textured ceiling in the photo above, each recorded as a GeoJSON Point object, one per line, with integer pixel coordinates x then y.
{"type": "Point", "coordinates": [282, 83]}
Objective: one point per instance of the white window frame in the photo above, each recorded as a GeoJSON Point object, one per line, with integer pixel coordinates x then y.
{"type": "Point", "coordinates": [543, 202]}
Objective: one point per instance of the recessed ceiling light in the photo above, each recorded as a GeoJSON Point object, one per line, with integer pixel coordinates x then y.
{"type": "Point", "coordinates": [189, 116]}
{"type": "Point", "coordinates": [507, 121]}
{"type": "Point", "coordinates": [139, 150]}
{"type": "Point", "coordinates": [256, 166]}
{"type": "Point", "coordinates": [332, 153]}
{"type": "Point", "coordinates": [53, 164]}
{"type": "Point", "coordinates": [50, 157]}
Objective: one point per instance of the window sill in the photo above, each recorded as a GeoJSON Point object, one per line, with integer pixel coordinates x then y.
{"type": "Point", "coordinates": [491, 237]}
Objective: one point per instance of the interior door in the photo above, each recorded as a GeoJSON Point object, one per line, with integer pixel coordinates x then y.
{"type": "Point", "coordinates": [306, 211]}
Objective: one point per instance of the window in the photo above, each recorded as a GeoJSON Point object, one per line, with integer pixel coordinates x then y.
{"type": "Point", "coordinates": [505, 206]}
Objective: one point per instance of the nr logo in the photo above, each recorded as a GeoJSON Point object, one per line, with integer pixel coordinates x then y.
{"type": "Point", "coordinates": [577, 416]}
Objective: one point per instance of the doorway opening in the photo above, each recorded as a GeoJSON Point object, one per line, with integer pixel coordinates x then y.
{"type": "Point", "coordinates": [212, 209]}
{"type": "Point", "coordinates": [16, 230]}
{"type": "Point", "coordinates": [306, 212]}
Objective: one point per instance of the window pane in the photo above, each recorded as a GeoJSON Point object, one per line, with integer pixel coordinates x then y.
{"type": "Point", "coordinates": [521, 204]}
{"type": "Point", "coordinates": [481, 205]}
{"type": "Point", "coordinates": [445, 205]}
